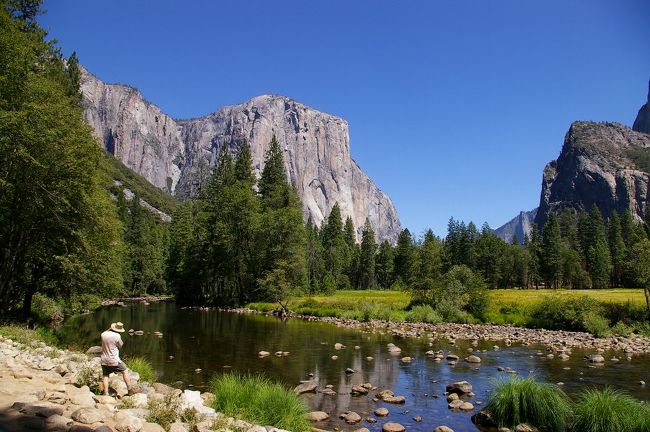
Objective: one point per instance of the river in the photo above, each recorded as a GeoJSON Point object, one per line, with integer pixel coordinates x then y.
{"type": "Point", "coordinates": [217, 342]}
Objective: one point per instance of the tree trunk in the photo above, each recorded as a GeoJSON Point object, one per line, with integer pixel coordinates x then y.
{"type": "Point", "coordinates": [646, 291]}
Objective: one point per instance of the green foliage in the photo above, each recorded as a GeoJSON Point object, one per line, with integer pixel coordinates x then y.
{"type": "Point", "coordinates": [425, 314]}
{"type": "Point", "coordinates": [26, 335]}
{"type": "Point", "coordinates": [90, 374]}
{"type": "Point", "coordinates": [256, 399]}
{"type": "Point", "coordinates": [527, 400]}
{"type": "Point", "coordinates": [581, 314]}
{"type": "Point", "coordinates": [45, 310]}
{"type": "Point", "coordinates": [143, 367]}
{"type": "Point", "coordinates": [164, 411]}
{"type": "Point", "coordinates": [115, 170]}
{"type": "Point", "coordinates": [610, 411]}
{"type": "Point", "coordinates": [59, 228]}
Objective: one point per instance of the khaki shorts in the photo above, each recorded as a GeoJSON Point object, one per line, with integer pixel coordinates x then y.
{"type": "Point", "coordinates": [107, 370]}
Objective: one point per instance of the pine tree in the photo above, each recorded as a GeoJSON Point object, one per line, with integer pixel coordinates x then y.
{"type": "Point", "coordinates": [551, 252]}
{"type": "Point", "coordinates": [405, 258]}
{"type": "Point", "coordinates": [315, 258]}
{"type": "Point", "coordinates": [384, 265]}
{"type": "Point", "coordinates": [617, 248]}
{"type": "Point", "coordinates": [367, 258]}
{"type": "Point", "coordinates": [334, 244]}
{"type": "Point", "coordinates": [282, 238]}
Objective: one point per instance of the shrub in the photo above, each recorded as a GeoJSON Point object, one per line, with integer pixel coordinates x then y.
{"type": "Point", "coordinates": [164, 411]}
{"type": "Point", "coordinates": [609, 411]}
{"type": "Point", "coordinates": [577, 313]}
{"type": "Point", "coordinates": [423, 313]}
{"type": "Point", "coordinates": [256, 399]}
{"type": "Point", "coordinates": [621, 329]}
{"type": "Point", "coordinates": [143, 367]}
{"type": "Point", "coordinates": [45, 310]}
{"type": "Point", "coordinates": [90, 374]}
{"type": "Point", "coordinates": [526, 400]}
{"type": "Point", "coordinates": [83, 303]}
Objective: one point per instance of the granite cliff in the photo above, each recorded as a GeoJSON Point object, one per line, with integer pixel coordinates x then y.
{"type": "Point", "coordinates": [177, 155]}
{"type": "Point", "coordinates": [520, 225]}
{"type": "Point", "coordinates": [642, 122]}
{"type": "Point", "coordinates": [606, 164]}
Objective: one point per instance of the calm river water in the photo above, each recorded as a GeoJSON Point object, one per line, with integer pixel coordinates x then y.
{"type": "Point", "coordinates": [217, 342]}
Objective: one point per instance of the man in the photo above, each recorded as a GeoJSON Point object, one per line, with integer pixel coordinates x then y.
{"type": "Point", "coordinates": [110, 359]}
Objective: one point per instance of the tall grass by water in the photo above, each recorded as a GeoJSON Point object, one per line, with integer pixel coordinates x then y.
{"type": "Point", "coordinates": [610, 411]}
{"type": "Point", "coordinates": [143, 367]}
{"type": "Point", "coordinates": [258, 400]}
{"type": "Point", "coordinates": [527, 400]}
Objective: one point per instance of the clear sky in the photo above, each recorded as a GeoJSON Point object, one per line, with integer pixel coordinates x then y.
{"type": "Point", "coordinates": [454, 106]}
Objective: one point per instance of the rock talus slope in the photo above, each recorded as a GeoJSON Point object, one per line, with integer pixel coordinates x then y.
{"type": "Point", "coordinates": [177, 155]}
{"type": "Point", "coordinates": [601, 163]}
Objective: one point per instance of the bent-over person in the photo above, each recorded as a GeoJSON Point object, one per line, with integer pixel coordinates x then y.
{"type": "Point", "coordinates": [110, 359]}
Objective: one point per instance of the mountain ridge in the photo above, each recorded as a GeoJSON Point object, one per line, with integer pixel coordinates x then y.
{"type": "Point", "coordinates": [176, 155]}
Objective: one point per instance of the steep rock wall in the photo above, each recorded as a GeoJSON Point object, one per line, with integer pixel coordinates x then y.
{"type": "Point", "coordinates": [177, 155]}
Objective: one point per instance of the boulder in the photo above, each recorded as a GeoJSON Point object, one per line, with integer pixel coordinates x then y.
{"type": "Point", "coordinates": [473, 359]}
{"type": "Point", "coordinates": [80, 396]}
{"type": "Point", "coordinates": [484, 420]}
{"type": "Point", "coordinates": [126, 422]}
{"type": "Point", "coordinates": [460, 387]}
{"type": "Point", "coordinates": [524, 427]}
{"type": "Point", "coordinates": [40, 409]}
{"type": "Point", "coordinates": [94, 351]}
{"type": "Point", "coordinates": [596, 358]}
{"type": "Point", "coordinates": [392, 427]}
{"type": "Point", "coordinates": [455, 404]}
{"type": "Point", "coordinates": [466, 406]}
{"type": "Point", "coordinates": [395, 399]}
{"type": "Point", "coordinates": [178, 427]}
{"type": "Point", "coordinates": [359, 390]}
{"type": "Point", "coordinates": [306, 387]}
{"type": "Point", "coordinates": [162, 388]}
{"type": "Point", "coordinates": [352, 418]}
{"type": "Point", "coordinates": [263, 354]}
{"type": "Point", "coordinates": [443, 429]}
{"type": "Point", "coordinates": [316, 416]}
{"type": "Point", "coordinates": [381, 412]}
{"type": "Point", "coordinates": [88, 416]}
{"type": "Point", "coordinates": [152, 427]}
{"type": "Point", "coordinates": [338, 346]}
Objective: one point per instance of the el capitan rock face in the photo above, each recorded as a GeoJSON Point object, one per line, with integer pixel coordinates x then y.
{"type": "Point", "coordinates": [642, 122]}
{"type": "Point", "coordinates": [602, 164]}
{"type": "Point", "coordinates": [177, 155]}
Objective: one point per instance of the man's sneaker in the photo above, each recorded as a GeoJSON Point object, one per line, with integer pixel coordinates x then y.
{"type": "Point", "coordinates": [133, 391]}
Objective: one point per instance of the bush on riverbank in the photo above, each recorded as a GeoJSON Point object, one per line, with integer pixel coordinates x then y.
{"type": "Point", "coordinates": [580, 314]}
{"type": "Point", "coordinates": [527, 400]}
{"type": "Point", "coordinates": [610, 411]}
{"type": "Point", "coordinates": [24, 335]}
{"type": "Point", "coordinates": [258, 400]}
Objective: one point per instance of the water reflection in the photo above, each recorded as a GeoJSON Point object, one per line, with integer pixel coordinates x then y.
{"type": "Point", "coordinates": [216, 342]}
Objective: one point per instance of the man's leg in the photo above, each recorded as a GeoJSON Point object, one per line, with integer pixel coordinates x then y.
{"type": "Point", "coordinates": [127, 381]}
{"type": "Point", "coordinates": [105, 382]}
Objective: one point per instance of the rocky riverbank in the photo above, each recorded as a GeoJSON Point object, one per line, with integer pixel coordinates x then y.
{"type": "Point", "coordinates": [557, 341]}
{"type": "Point", "coordinates": [46, 389]}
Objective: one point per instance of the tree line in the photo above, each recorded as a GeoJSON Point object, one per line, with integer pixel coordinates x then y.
{"type": "Point", "coordinates": [68, 233]}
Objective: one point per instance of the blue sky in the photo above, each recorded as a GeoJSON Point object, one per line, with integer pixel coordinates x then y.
{"type": "Point", "coordinates": [454, 106]}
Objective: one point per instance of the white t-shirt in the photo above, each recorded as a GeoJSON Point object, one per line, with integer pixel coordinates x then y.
{"type": "Point", "coordinates": [111, 342]}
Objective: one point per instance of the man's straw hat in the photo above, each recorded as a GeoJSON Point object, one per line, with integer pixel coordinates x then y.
{"type": "Point", "coordinates": [118, 327]}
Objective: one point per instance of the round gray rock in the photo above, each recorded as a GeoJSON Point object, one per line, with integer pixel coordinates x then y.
{"type": "Point", "coordinates": [393, 427]}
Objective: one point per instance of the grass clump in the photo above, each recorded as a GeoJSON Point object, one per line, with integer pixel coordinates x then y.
{"type": "Point", "coordinates": [90, 374]}
{"type": "Point", "coordinates": [143, 367]}
{"type": "Point", "coordinates": [610, 411]}
{"type": "Point", "coordinates": [258, 400]}
{"type": "Point", "coordinates": [526, 400]}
